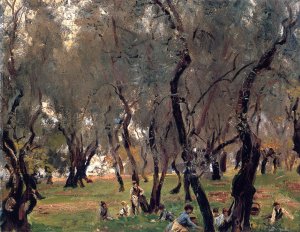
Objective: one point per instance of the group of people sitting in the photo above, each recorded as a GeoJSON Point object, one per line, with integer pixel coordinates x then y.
{"type": "Point", "coordinates": [186, 221]}
{"type": "Point", "coordinates": [137, 199]}
{"type": "Point", "coordinates": [220, 220]}
{"type": "Point", "coordinates": [104, 212]}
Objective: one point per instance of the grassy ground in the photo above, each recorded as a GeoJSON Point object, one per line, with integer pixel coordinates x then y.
{"type": "Point", "coordinates": [77, 209]}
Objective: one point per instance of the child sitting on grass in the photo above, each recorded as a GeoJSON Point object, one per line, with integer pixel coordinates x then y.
{"type": "Point", "coordinates": [125, 210]}
{"type": "Point", "coordinates": [165, 215]}
{"type": "Point", "coordinates": [104, 215]}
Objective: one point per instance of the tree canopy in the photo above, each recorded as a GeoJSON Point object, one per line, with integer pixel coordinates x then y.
{"type": "Point", "coordinates": [182, 80]}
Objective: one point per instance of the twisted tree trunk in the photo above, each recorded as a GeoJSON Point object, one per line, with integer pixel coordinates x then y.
{"type": "Point", "coordinates": [243, 183]}
{"type": "Point", "coordinates": [117, 146]}
{"type": "Point", "coordinates": [186, 155]}
{"type": "Point", "coordinates": [178, 186]}
{"type": "Point", "coordinates": [126, 143]}
{"type": "Point", "coordinates": [189, 174]}
{"type": "Point", "coordinates": [79, 158]}
{"type": "Point", "coordinates": [125, 135]}
{"type": "Point", "coordinates": [14, 210]}
{"type": "Point", "coordinates": [157, 181]}
{"type": "Point", "coordinates": [114, 150]}
{"type": "Point", "coordinates": [145, 163]}
{"type": "Point", "coordinates": [154, 151]}
{"type": "Point", "coordinates": [89, 153]}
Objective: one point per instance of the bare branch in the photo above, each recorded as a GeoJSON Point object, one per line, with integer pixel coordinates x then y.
{"type": "Point", "coordinates": [222, 145]}
{"type": "Point", "coordinates": [219, 79]}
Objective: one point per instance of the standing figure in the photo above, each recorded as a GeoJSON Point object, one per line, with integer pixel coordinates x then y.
{"type": "Point", "coordinates": [135, 193]}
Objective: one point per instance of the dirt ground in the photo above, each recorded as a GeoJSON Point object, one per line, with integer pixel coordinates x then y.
{"type": "Point", "coordinates": [294, 186]}
{"type": "Point", "coordinates": [219, 196]}
{"type": "Point", "coordinates": [67, 207]}
{"type": "Point", "coordinates": [93, 178]}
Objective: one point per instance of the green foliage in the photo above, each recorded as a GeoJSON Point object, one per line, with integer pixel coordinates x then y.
{"type": "Point", "coordinates": [55, 141]}
{"type": "Point", "coordinates": [38, 159]}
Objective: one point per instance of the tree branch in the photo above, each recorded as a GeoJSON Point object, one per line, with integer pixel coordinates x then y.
{"type": "Point", "coordinates": [219, 79]}
{"type": "Point", "coordinates": [222, 145]}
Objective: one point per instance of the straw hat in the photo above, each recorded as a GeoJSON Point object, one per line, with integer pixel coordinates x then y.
{"type": "Point", "coordinates": [193, 216]}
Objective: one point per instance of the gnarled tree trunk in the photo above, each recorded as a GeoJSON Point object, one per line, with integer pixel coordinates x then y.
{"type": "Point", "coordinates": [14, 210]}
{"type": "Point", "coordinates": [186, 155]}
{"type": "Point", "coordinates": [178, 186]}
{"type": "Point", "coordinates": [243, 183]}
{"type": "Point", "coordinates": [79, 158]}
{"type": "Point", "coordinates": [125, 135]}
{"type": "Point", "coordinates": [189, 174]}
